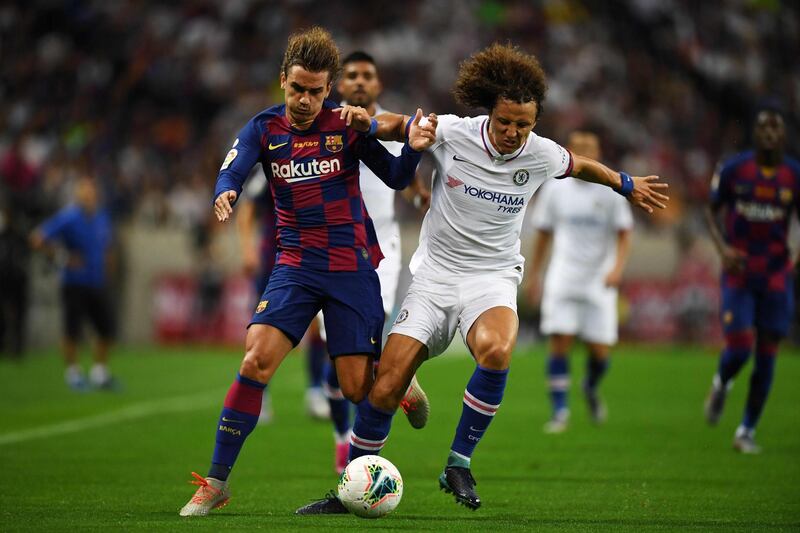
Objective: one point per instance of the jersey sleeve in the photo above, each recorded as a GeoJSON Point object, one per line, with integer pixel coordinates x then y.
{"type": "Point", "coordinates": [444, 129]}
{"type": "Point", "coordinates": [396, 172]}
{"type": "Point", "coordinates": [241, 158]}
{"type": "Point", "coordinates": [557, 159]}
{"type": "Point", "coordinates": [53, 228]}
{"type": "Point", "coordinates": [720, 185]}
{"type": "Point", "coordinates": [622, 216]}
{"type": "Point", "coordinates": [542, 217]}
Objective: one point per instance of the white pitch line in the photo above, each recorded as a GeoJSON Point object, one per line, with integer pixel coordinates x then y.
{"type": "Point", "coordinates": [177, 404]}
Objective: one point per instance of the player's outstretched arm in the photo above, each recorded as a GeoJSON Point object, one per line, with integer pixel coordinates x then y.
{"type": "Point", "coordinates": [644, 192]}
{"type": "Point", "coordinates": [393, 127]}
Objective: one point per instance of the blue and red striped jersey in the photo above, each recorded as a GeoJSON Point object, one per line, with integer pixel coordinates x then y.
{"type": "Point", "coordinates": [759, 208]}
{"type": "Point", "coordinates": [322, 223]}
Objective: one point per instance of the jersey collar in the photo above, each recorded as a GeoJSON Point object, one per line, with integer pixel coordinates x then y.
{"type": "Point", "coordinates": [496, 156]}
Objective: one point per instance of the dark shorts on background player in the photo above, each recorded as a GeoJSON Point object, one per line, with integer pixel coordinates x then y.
{"type": "Point", "coordinates": [766, 310]}
{"type": "Point", "coordinates": [350, 302]}
{"type": "Point", "coordinates": [80, 303]}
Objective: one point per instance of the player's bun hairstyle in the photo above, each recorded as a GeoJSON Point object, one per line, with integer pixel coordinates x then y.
{"type": "Point", "coordinates": [358, 55]}
{"type": "Point", "coordinates": [314, 50]}
{"type": "Point", "coordinates": [500, 71]}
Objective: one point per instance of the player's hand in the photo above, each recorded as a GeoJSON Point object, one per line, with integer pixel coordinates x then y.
{"type": "Point", "coordinates": [733, 260]}
{"type": "Point", "coordinates": [614, 279]}
{"type": "Point", "coordinates": [422, 200]}
{"type": "Point", "coordinates": [647, 193]}
{"type": "Point", "coordinates": [422, 135]}
{"type": "Point", "coordinates": [223, 205]}
{"type": "Point", "coordinates": [356, 117]}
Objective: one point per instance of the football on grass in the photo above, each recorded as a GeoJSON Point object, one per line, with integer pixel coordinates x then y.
{"type": "Point", "coordinates": [370, 487]}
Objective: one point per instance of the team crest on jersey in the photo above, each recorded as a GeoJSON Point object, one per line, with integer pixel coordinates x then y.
{"type": "Point", "coordinates": [521, 177]}
{"type": "Point", "coordinates": [262, 305]}
{"type": "Point", "coordinates": [786, 195]}
{"type": "Point", "coordinates": [401, 316]}
{"type": "Point", "coordinates": [334, 143]}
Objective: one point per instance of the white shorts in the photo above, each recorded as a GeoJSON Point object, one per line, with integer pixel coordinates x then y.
{"type": "Point", "coordinates": [591, 319]}
{"type": "Point", "coordinates": [434, 308]}
{"type": "Point", "coordinates": [389, 271]}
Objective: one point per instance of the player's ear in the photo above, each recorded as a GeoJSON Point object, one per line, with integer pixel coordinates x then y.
{"type": "Point", "coordinates": [283, 80]}
{"type": "Point", "coordinates": [328, 89]}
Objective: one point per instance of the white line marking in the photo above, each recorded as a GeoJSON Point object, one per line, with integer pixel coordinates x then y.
{"type": "Point", "coordinates": [177, 404]}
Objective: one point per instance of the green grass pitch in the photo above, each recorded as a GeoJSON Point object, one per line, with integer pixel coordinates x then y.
{"type": "Point", "coordinates": [101, 461]}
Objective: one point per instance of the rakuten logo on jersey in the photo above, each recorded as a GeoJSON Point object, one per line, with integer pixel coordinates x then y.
{"type": "Point", "coordinates": [507, 203]}
{"type": "Point", "coordinates": [293, 171]}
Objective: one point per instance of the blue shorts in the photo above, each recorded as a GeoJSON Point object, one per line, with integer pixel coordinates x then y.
{"type": "Point", "coordinates": [350, 302]}
{"type": "Point", "coordinates": [763, 310]}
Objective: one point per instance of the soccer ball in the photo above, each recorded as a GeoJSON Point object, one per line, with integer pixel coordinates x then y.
{"type": "Point", "coordinates": [370, 487]}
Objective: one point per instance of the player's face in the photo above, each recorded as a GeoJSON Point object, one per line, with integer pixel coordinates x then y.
{"type": "Point", "coordinates": [584, 144]}
{"type": "Point", "coordinates": [510, 123]}
{"type": "Point", "coordinates": [86, 193]}
{"type": "Point", "coordinates": [304, 93]}
{"type": "Point", "coordinates": [359, 84]}
{"type": "Point", "coordinates": [769, 131]}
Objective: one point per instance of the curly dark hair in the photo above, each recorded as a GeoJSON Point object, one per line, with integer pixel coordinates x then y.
{"type": "Point", "coordinates": [314, 50]}
{"type": "Point", "coordinates": [500, 71]}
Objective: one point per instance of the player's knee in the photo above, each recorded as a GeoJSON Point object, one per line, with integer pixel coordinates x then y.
{"type": "Point", "coordinates": [387, 393]}
{"type": "Point", "coordinates": [495, 355]}
{"type": "Point", "coordinates": [255, 362]}
{"type": "Point", "coordinates": [355, 390]}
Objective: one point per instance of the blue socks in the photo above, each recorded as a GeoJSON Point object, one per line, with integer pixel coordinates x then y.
{"type": "Point", "coordinates": [558, 380]}
{"type": "Point", "coordinates": [738, 345]}
{"type": "Point", "coordinates": [340, 406]}
{"type": "Point", "coordinates": [236, 421]}
{"type": "Point", "coordinates": [482, 398]}
{"type": "Point", "coordinates": [316, 359]}
{"type": "Point", "coordinates": [595, 370]}
{"type": "Point", "coordinates": [370, 431]}
{"type": "Point", "coordinates": [760, 383]}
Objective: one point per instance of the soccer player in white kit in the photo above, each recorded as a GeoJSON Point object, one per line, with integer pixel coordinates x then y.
{"type": "Point", "coordinates": [589, 227]}
{"type": "Point", "coordinates": [360, 85]}
{"type": "Point", "coordinates": [468, 266]}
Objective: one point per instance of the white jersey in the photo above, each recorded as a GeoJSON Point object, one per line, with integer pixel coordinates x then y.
{"type": "Point", "coordinates": [585, 219]}
{"type": "Point", "coordinates": [379, 197]}
{"type": "Point", "coordinates": [479, 196]}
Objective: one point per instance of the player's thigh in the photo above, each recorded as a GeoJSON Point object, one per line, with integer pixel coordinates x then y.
{"type": "Point", "coordinates": [72, 311]}
{"type": "Point", "coordinates": [737, 309]}
{"type": "Point", "coordinates": [101, 312]}
{"type": "Point", "coordinates": [292, 298]}
{"type": "Point", "coordinates": [428, 314]}
{"type": "Point", "coordinates": [353, 314]}
{"type": "Point", "coordinates": [774, 311]}
{"type": "Point", "coordinates": [560, 315]}
{"type": "Point", "coordinates": [599, 319]}
{"type": "Point", "coordinates": [488, 319]}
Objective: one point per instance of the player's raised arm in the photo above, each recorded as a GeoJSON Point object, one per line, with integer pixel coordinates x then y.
{"type": "Point", "coordinates": [241, 158]}
{"type": "Point", "coordinates": [392, 126]}
{"type": "Point", "coordinates": [644, 192]}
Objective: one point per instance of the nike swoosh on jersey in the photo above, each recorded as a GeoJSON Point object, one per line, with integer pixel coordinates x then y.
{"type": "Point", "coordinates": [459, 158]}
{"type": "Point", "coordinates": [225, 419]}
{"type": "Point", "coordinates": [276, 146]}
{"type": "Point", "coordinates": [476, 430]}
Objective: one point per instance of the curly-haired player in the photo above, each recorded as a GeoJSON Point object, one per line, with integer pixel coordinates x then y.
{"type": "Point", "coordinates": [468, 264]}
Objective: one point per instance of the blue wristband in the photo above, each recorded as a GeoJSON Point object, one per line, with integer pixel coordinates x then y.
{"type": "Point", "coordinates": [373, 128]}
{"type": "Point", "coordinates": [408, 126]}
{"type": "Point", "coordinates": [627, 184]}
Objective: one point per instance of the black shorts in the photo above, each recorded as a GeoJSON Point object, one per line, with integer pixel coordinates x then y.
{"type": "Point", "coordinates": [82, 303]}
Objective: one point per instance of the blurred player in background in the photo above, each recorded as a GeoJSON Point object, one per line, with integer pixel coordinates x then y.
{"type": "Point", "coordinates": [756, 193]}
{"type": "Point", "coordinates": [360, 85]}
{"type": "Point", "coordinates": [327, 247]}
{"type": "Point", "coordinates": [467, 267]}
{"type": "Point", "coordinates": [84, 231]}
{"type": "Point", "coordinates": [257, 205]}
{"type": "Point", "coordinates": [590, 229]}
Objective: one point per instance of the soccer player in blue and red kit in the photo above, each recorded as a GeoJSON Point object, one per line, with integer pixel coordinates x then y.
{"type": "Point", "coordinates": [327, 248]}
{"type": "Point", "coordinates": [756, 192]}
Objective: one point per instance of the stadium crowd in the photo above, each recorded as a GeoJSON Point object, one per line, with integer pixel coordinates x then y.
{"type": "Point", "coordinates": [146, 95]}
